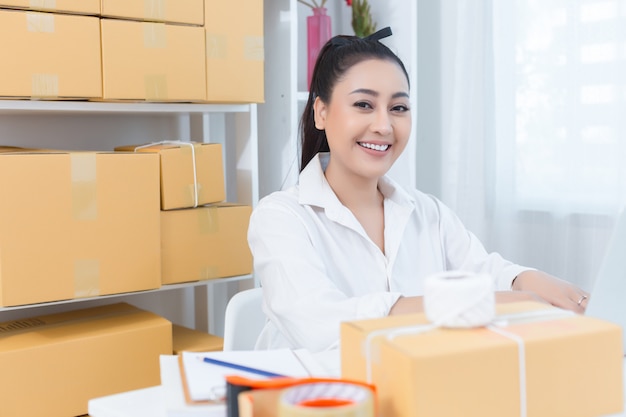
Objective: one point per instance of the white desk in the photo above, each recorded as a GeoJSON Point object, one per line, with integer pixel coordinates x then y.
{"type": "Point", "coordinates": [151, 402]}
{"type": "Point", "coordinates": [167, 400]}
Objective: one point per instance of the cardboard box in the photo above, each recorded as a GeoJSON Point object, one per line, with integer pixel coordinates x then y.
{"type": "Point", "coordinates": [87, 7]}
{"type": "Point", "coordinates": [191, 340]}
{"type": "Point", "coordinates": [177, 173]}
{"type": "Point", "coordinates": [171, 11]}
{"type": "Point", "coordinates": [77, 224]}
{"type": "Point", "coordinates": [234, 51]}
{"type": "Point", "coordinates": [41, 63]}
{"type": "Point", "coordinates": [476, 372]}
{"type": "Point", "coordinates": [152, 61]}
{"type": "Point", "coordinates": [11, 149]}
{"type": "Point", "coordinates": [205, 243]}
{"type": "Point", "coordinates": [52, 365]}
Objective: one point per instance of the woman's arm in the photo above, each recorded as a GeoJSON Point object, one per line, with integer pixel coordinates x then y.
{"type": "Point", "coordinates": [555, 291]}
{"type": "Point", "coordinates": [407, 305]}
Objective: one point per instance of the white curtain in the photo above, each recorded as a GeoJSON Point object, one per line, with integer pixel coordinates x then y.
{"type": "Point", "coordinates": [533, 126]}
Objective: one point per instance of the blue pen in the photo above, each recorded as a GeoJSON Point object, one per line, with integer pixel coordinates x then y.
{"type": "Point", "coordinates": [241, 368]}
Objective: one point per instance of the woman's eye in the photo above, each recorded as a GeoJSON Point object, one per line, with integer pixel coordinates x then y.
{"type": "Point", "coordinates": [362, 105]}
{"type": "Point", "coordinates": [401, 108]}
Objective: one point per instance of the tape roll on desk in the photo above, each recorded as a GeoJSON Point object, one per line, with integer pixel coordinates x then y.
{"type": "Point", "coordinates": [459, 299]}
{"type": "Point", "coordinates": [326, 399]}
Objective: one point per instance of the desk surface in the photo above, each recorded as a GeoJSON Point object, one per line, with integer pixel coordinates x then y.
{"type": "Point", "coordinates": [167, 400]}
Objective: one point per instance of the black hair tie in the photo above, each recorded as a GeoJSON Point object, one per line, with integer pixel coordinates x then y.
{"type": "Point", "coordinates": [378, 35]}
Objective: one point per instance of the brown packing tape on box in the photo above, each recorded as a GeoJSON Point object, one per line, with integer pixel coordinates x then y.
{"type": "Point", "coordinates": [85, 208]}
{"type": "Point", "coordinates": [208, 224]}
{"type": "Point", "coordinates": [39, 22]}
{"type": "Point", "coordinates": [42, 4]}
{"type": "Point", "coordinates": [43, 85]}
{"type": "Point", "coordinates": [155, 37]}
{"type": "Point", "coordinates": [254, 49]}
{"type": "Point", "coordinates": [154, 10]}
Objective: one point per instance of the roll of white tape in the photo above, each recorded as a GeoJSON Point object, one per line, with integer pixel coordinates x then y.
{"type": "Point", "coordinates": [459, 299]}
{"type": "Point", "coordinates": [327, 399]}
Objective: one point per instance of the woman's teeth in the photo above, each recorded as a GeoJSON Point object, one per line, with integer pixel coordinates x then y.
{"type": "Point", "coordinates": [380, 148]}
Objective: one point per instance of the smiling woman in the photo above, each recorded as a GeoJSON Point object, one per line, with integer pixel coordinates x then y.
{"type": "Point", "coordinates": [349, 243]}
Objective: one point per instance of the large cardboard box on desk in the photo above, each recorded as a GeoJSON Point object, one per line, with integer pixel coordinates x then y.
{"type": "Point", "coordinates": [170, 11]}
{"type": "Point", "coordinates": [234, 51]}
{"type": "Point", "coordinates": [572, 365]}
{"type": "Point", "coordinates": [38, 60]}
{"type": "Point", "coordinates": [53, 365]}
{"type": "Point", "coordinates": [78, 224]}
{"type": "Point", "coordinates": [205, 242]}
{"type": "Point", "coordinates": [146, 61]}
{"type": "Point", "coordinates": [87, 7]}
{"type": "Point", "coordinates": [192, 173]}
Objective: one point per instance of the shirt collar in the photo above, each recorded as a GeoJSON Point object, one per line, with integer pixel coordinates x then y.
{"type": "Point", "coordinates": [315, 190]}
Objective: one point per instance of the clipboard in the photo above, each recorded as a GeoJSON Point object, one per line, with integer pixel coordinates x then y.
{"type": "Point", "coordinates": [205, 383]}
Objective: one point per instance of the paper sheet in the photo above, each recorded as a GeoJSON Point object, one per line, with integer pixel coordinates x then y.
{"type": "Point", "coordinates": [206, 381]}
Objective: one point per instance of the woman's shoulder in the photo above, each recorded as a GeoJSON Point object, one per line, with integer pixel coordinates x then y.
{"type": "Point", "coordinates": [283, 200]}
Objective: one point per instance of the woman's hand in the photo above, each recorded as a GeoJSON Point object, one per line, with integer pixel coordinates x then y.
{"type": "Point", "coordinates": [555, 291]}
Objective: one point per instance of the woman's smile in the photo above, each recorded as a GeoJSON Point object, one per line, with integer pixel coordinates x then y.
{"type": "Point", "coordinates": [380, 148]}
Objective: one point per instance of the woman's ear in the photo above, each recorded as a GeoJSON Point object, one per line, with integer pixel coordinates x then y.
{"type": "Point", "coordinates": [319, 113]}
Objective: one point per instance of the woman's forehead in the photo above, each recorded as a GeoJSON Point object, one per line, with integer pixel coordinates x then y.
{"type": "Point", "coordinates": [374, 74]}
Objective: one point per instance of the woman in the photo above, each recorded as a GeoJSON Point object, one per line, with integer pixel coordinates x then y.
{"type": "Point", "coordinates": [347, 242]}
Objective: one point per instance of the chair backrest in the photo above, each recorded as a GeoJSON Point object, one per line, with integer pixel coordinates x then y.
{"type": "Point", "coordinates": [243, 320]}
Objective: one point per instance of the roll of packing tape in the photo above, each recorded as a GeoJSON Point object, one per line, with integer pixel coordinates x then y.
{"type": "Point", "coordinates": [327, 399]}
{"type": "Point", "coordinates": [459, 299]}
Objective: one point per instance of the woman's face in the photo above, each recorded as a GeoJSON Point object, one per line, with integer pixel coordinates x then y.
{"type": "Point", "coordinates": [367, 120]}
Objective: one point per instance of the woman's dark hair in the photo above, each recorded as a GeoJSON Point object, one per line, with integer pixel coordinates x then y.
{"type": "Point", "coordinates": [337, 56]}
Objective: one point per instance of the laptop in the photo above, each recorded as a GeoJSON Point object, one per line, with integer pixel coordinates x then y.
{"type": "Point", "coordinates": [607, 300]}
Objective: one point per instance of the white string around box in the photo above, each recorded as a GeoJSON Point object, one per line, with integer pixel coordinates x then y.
{"type": "Point", "coordinates": [193, 161]}
{"type": "Point", "coordinates": [462, 300]}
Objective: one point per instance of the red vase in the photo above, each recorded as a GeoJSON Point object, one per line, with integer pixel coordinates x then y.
{"type": "Point", "coordinates": [318, 32]}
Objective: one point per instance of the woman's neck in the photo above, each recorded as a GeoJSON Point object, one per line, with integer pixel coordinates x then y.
{"type": "Point", "coordinates": [354, 191]}
{"type": "Point", "coordinates": [363, 198]}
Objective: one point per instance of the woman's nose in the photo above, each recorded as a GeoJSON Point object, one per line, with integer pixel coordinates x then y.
{"type": "Point", "coordinates": [381, 122]}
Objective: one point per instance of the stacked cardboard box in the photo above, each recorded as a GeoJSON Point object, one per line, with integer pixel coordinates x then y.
{"type": "Point", "coordinates": [38, 60]}
{"type": "Point", "coordinates": [159, 50]}
{"type": "Point", "coordinates": [234, 50]}
{"type": "Point", "coordinates": [77, 224]}
{"type": "Point", "coordinates": [52, 365]}
{"type": "Point", "coordinates": [202, 237]}
{"type": "Point", "coordinates": [153, 61]}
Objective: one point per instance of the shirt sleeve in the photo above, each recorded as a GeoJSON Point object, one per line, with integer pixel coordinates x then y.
{"type": "Point", "coordinates": [464, 251]}
{"type": "Point", "coordinates": [300, 298]}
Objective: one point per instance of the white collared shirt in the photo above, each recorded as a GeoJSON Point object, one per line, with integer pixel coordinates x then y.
{"type": "Point", "coordinates": [318, 267]}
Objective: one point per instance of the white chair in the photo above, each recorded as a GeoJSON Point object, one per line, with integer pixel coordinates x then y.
{"type": "Point", "coordinates": [243, 320]}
